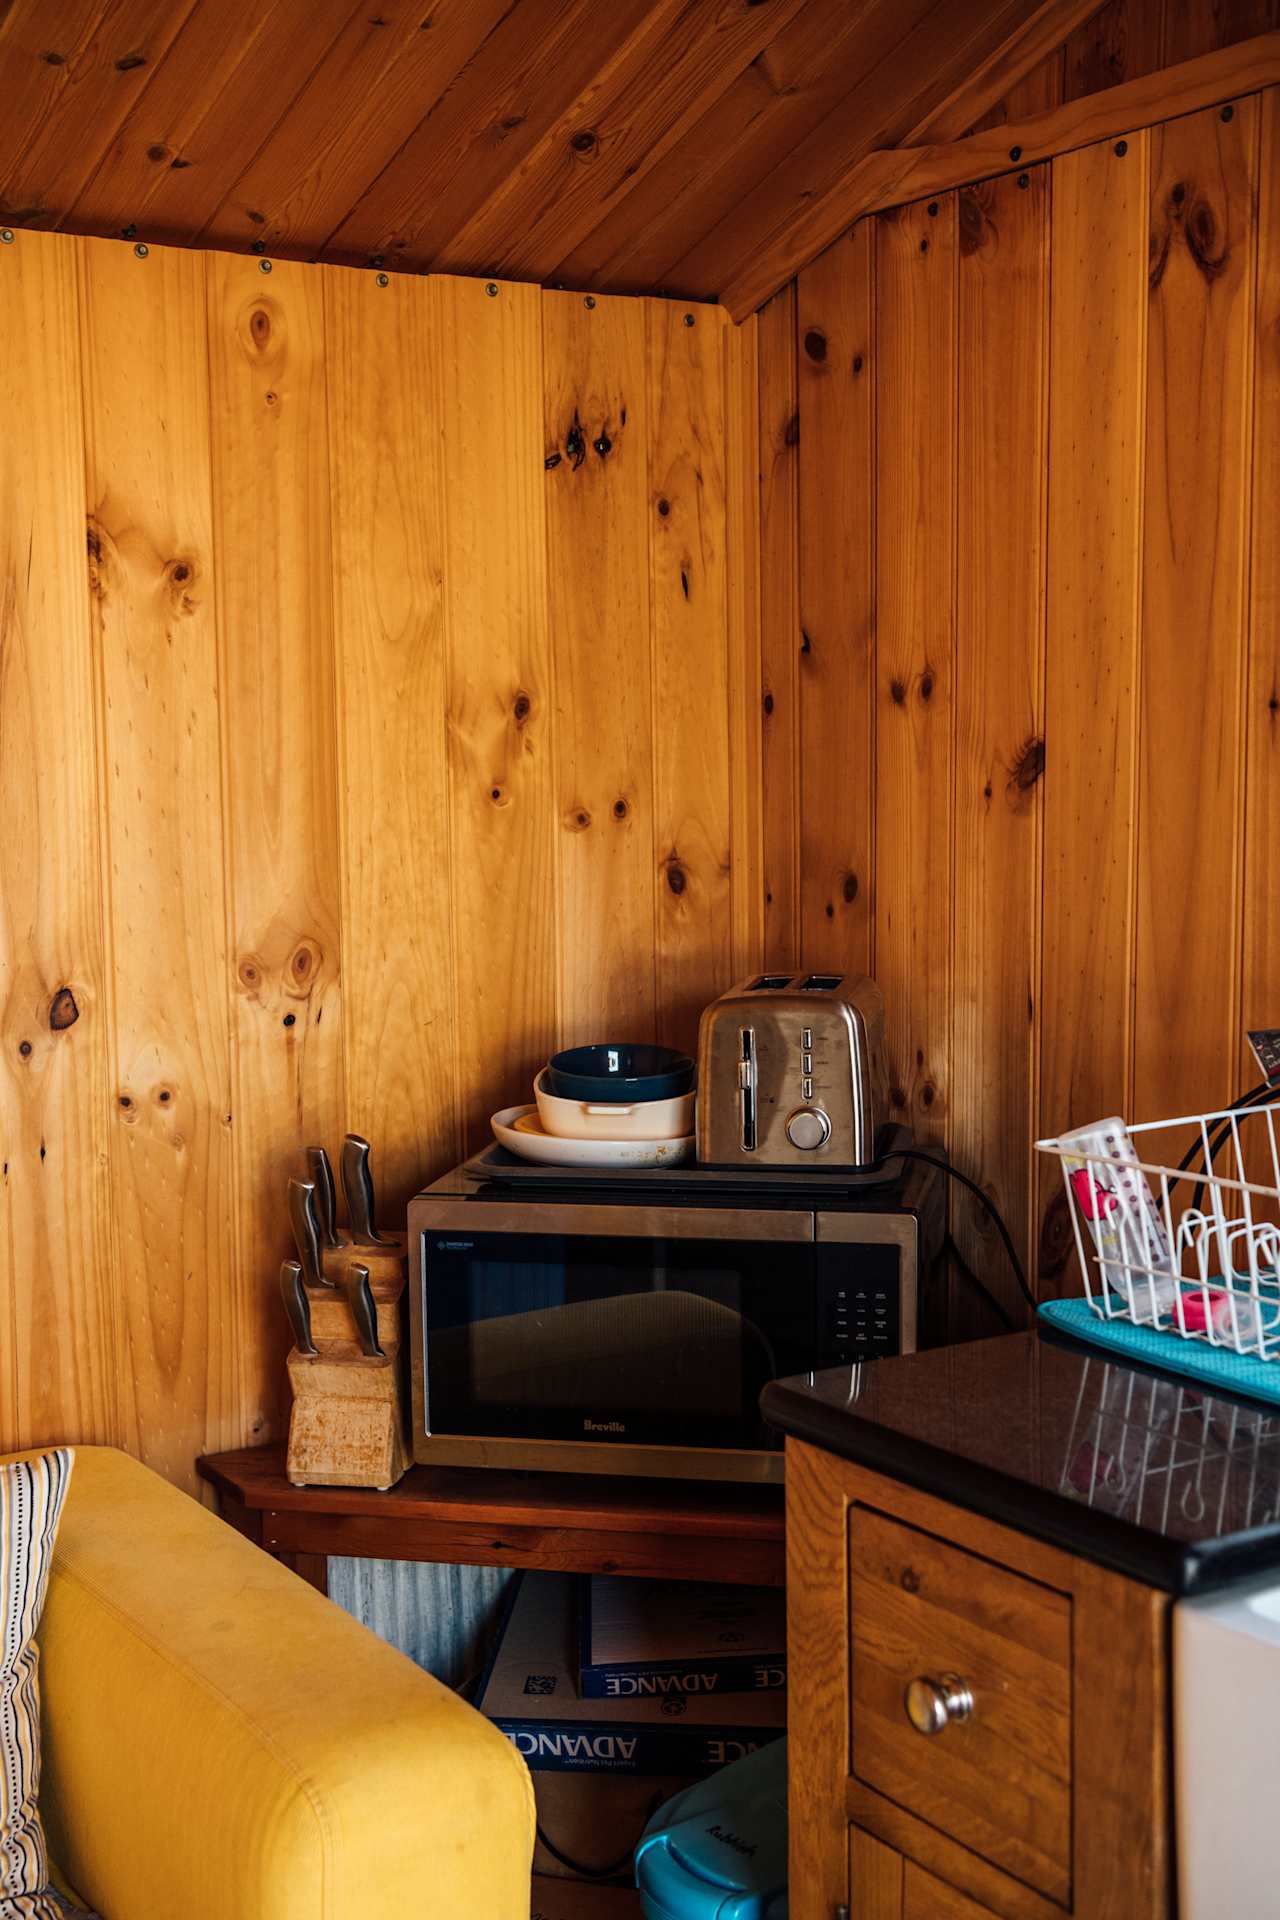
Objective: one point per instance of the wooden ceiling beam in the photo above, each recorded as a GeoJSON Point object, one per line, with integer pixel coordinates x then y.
{"type": "Point", "coordinates": [893, 176]}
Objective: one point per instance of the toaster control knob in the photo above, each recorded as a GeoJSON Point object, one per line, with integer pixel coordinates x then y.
{"type": "Point", "coordinates": [808, 1127]}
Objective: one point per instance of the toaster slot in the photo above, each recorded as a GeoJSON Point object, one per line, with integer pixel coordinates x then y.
{"type": "Point", "coordinates": [747, 1086]}
{"type": "Point", "coordinates": [770, 983]}
{"type": "Point", "coordinates": [821, 982]}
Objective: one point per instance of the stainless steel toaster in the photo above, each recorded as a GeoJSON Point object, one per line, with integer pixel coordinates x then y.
{"type": "Point", "coordinates": [792, 1072]}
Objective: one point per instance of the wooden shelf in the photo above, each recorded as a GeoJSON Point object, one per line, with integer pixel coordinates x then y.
{"type": "Point", "coordinates": [571, 1523]}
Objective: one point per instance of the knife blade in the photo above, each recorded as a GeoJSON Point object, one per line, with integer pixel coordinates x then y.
{"type": "Point", "coordinates": [326, 1199]}
{"type": "Point", "coordinates": [306, 1231]}
{"type": "Point", "coordinates": [357, 1184]}
{"type": "Point", "coordinates": [296, 1304]}
{"type": "Point", "coordinates": [364, 1310]}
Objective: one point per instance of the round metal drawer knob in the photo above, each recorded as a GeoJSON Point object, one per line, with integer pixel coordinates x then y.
{"type": "Point", "coordinates": [808, 1127]}
{"type": "Point", "coordinates": [932, 1704]}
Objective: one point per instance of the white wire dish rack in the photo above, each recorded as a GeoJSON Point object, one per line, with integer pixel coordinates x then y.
{"type": "Point", "coordinates": [1192, 1249]}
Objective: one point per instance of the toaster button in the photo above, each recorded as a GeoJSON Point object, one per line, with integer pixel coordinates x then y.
{"type": "Point", "coordinates": [806, 1063]}
{"type": "Point", "coordinates": [808, 1127]}
{"type": "Point", "coordinates": [806, 1038]}
{"type": "Point", "coordinates": [806, 1088]}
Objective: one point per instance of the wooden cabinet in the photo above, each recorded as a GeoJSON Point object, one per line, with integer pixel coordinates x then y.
{"type": "Point", "coordinates": [978, 1721]}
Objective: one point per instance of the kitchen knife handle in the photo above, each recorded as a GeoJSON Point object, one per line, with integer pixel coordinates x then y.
{"type": "Point", "coordinates": [364, 1310]}
{"type": "Point", "coordinates": [326, 1199]}
{"type": "Point", "coordinates": [294, 1294]}
{"type": "Point", "coordinates": [357, 1184]}
{"type": "Point", "coordinates": [306, 1231]}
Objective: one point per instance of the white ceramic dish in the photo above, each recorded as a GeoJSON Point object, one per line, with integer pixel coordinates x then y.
{"type": "Point", "coordinates": [520, 1131]}
{"type": "Point", "coordinates": [585, 1120]}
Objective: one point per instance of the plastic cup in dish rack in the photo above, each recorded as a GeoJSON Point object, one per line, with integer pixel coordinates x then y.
{"type": "Point", "coordinates": [589, 1120]}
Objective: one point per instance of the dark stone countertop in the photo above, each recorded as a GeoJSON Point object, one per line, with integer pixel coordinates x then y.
{"type": "Point", "coordinates": [1146, 1474]}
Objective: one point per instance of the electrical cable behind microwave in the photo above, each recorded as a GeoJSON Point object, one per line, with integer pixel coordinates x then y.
{"type": "Point", "coordinates": [954, 1173]}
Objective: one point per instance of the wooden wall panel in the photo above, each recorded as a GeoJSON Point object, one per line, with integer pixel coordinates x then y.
{"type": "Point", "coordinates": [58, 1375]}
{"type": "Point", "coordinates": [499, 695]}
{"type": "Point", "coordinates": [597, 508]}
{"type": "Point", "coordinates": [692, 811]}
{"type": "Point", "coordinates": [1002, 365]}
{"type": "Point", "coordinates": [1073, 912]}
{"type": "Point", "coordinates": [1261, 943]}
{"type": "Point", "coordinates": [151, 546]}
{"type": "Point", "coordinates": [1194, 588]}
{"type": "Point", "coordinates": [779, 440]}
{"type": "Point", "coordinates": [395, 858]}
{"type": "Point", "coordinates": [836, 358]}
{"type": "Point", "coordinates": [342, 657]}
{"type": "Point", "coordinates": [271, 498]}
{"type": "Point", "coordinates": [1097, 355]}
{"type": "Point", "coordinates": [915, 340]}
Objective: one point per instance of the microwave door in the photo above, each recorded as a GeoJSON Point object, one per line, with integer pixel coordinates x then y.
{"type": "Point", "coordinates": [547, 1358]}
{"type": "Point", "coordinates": [660, 1340]}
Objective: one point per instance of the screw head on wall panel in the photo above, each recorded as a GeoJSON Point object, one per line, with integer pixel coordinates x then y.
{"type": "Point", "coordinates": [589, 300]}
{"type": "Point", "coordinates": [491, 288]}
{"type": "Point", "coordinates": [142, 249]}
{"type": "Point", "coordinates": [6, 236]}
{"type": "Point", "coordinates": [1122, 147]}
{"type": "Point", "coordinates": [1228, 113]}
{"type": "Point", "coordinates": [1015, 153]}
{"type": "Point", "coordinates": [688, 319]}
{"type": "Point", "coordinates": [384, 279]}
{"type": "Point", "coordinates": [264, 266]}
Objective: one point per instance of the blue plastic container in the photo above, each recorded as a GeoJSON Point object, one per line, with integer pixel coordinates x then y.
{"type": "Point", "coordinates": [718, 1851]}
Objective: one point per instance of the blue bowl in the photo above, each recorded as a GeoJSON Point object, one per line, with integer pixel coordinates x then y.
{"type": "Point", "coordinates": [619, 1073]}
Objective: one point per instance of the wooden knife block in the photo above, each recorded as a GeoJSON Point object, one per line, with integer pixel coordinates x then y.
{"type": "Point", "coordinates": [350, 1426]}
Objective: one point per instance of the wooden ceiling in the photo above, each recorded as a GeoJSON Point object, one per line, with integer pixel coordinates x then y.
{"type": "Point", "coordinates": [620, 145]}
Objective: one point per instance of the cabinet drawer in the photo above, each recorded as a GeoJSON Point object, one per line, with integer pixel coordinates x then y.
{"type": "Point", "coordinates": [998, 1779]}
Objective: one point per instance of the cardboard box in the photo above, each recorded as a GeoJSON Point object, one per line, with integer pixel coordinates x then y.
{"type": "Point", "coordinates": [593, 1818]}
{"type": "Point", "coordinates": [576, 1900]}
{"type": "Point", "coordinates": [530, 1692]}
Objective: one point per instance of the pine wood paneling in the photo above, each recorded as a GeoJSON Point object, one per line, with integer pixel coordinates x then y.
{"type": "Point", "coordinates": [1261, 943]}
{"type": "Point", "coordinates": [779, 439]}
{"type": "Point", "coordinates": [271, 495]}
{"type": "Point", "coordinates": [1002, 364]}
{"type": "Point", "coordinates": [1122, 41]}
{"type": "Point", "coordinates": [836, 357]}
{"type": "Point", "coordinates": [342, 652]}
{"type": "Point", "coordinates": [692, 814]}
{"type": "Point", "coordinates": [1194, 586]}
{"type": "Point", "coordinates": [389, 632]}
{"type": "Point", "coordinates": [1097, 354]}
{"type": "Point", "coordinates": [742, 624]}
{"type": "Point", "coordinates": [58, 1328]}
{"type": "Point", "coordinates": [182, 145]}
{"type": "Point", "coordinates": [597, 508]}
{"type": "Point", "coordinates": [388, 71]}
{"type": "Point", "coordinates": [70, 70]}
{"type": "Point", "coordinates": [500, 698]}
{"type": "Point", "coordinates": [151, 544]}
{"type": "Point", "coordinates": [915, 323]}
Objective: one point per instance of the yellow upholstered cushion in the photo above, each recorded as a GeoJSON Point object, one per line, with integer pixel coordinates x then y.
{"type": "Point", "coordinates": [222, 1743]}
{"type": "Point", "coordinates": [32, 1492]}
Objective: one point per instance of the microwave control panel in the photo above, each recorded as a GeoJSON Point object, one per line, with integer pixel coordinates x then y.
{"type": "Point", "coordinates": [859, 1303]}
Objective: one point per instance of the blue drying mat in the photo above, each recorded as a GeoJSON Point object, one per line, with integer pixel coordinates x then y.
{"type": "Point", "coordinates": [1152, 1347]}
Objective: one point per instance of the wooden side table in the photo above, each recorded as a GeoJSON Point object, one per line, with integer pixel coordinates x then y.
{"type": "Point", "coordinates": [473, 1516]}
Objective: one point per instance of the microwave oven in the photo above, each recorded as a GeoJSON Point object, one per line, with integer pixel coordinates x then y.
{"type": "Point", "coordinates": [621, 1327]}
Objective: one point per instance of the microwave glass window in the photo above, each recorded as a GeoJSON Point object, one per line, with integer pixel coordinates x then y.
{"type": "Point", "coordinates": [635, 1339]}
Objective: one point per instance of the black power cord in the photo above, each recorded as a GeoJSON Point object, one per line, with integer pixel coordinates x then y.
{"type": "Point", "coordinates": [615, 1867]}
{"type": "Point", "coordinates": [1259, 1096]}
{"type": "Point", "coordinates": [971, 1279]}
{"type": "Point", "coordinates": [984, 1200]}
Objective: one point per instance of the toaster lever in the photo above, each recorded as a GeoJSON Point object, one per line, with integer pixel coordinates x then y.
{"type": "Point", "coordinates": [747, 1085]}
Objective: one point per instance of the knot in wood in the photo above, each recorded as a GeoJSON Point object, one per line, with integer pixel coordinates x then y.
{"type": "Point", "coordinates": [677, 879]}
{"type": "Point", "coordinates": [522, 708]}
{"type": "Point", "coordinates": [63, 1011]}
{"type": "Point", "coordinates": [584, 142]}
{"type": "Point", "coordinates": [815, 344]}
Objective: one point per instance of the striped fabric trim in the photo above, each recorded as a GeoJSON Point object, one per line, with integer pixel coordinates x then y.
{"type": "Point", "coordinates": [32, 1493]}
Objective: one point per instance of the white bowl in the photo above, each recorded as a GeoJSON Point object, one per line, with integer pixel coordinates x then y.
{"type": "Point", "coordinates": [520, 1131]}
{"type": "Point", "coordinates": [588, 1120]}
